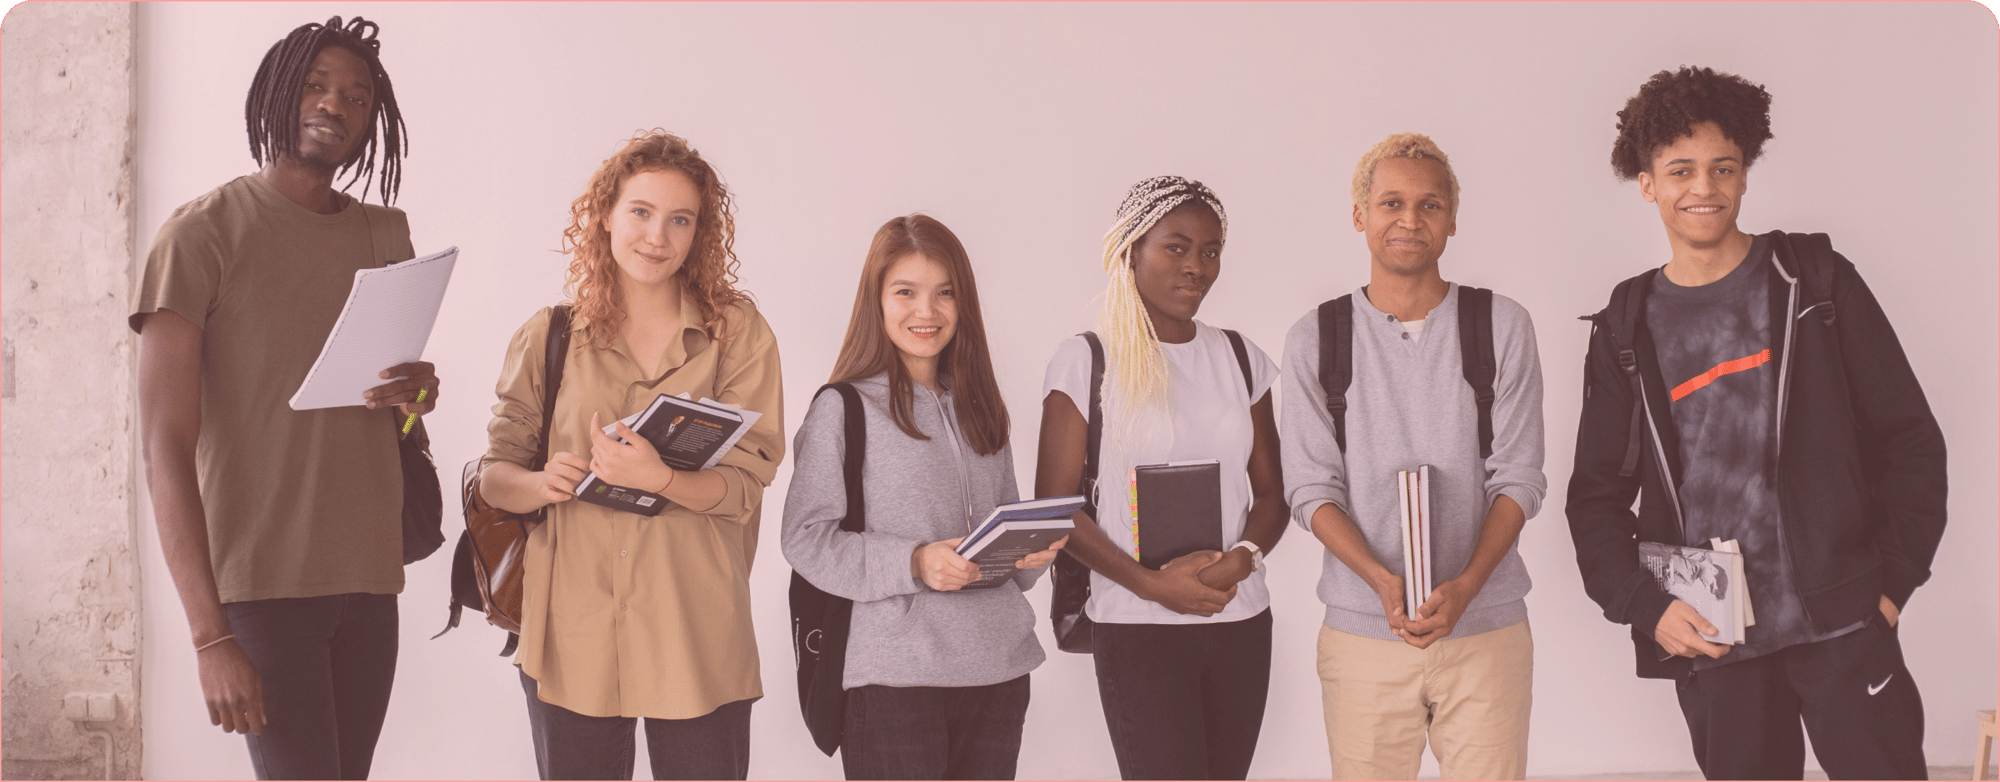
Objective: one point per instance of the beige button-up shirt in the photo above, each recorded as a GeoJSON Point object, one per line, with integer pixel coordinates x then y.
{"type": "Point", "coordinates": [633, 616]}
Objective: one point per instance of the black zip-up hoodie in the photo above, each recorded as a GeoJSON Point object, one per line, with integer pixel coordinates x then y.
{"type": "Point", "coordinates": [1860, 459]}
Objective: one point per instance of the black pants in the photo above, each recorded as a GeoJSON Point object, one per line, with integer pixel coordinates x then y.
{"type": "Point", "coordinates": [934, 732]}
{"type": "Point", "coordinates": [1184, 701]}
{"type": "Point", "coordinates": [326, 665]}
{"type": "Point", "coordinates": [569, 745]}
{"type": "Point", "coordinates": [1855, 696]}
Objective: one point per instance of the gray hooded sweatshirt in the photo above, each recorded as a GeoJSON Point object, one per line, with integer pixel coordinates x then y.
{"type": "Point", "coordinates": [904, 634]}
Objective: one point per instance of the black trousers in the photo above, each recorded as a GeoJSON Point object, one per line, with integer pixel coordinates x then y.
{"type": "Point", "coordinates": [1853, 694]}
{"type": "Point", "coordinates": [934, 732]}
{"type": "Point", "coordinates": [326, 665]}
{"type": "Point", "coordinates": [569, 745]}
{"type": "Point", "coordinates": [1184, 701]}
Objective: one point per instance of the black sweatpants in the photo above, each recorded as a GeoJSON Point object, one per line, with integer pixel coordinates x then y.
{"type": "Point", "coordinates": [1853, 693]}
{"type": "Point", "coordinates": [1184, 701]}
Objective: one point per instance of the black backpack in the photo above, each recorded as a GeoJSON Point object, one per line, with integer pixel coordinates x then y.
{"type": "Point", "coordinates": [1622, 317]}
{"type": "Point", "coordinates": [1475, 344]}
{"type": "Point", "coordinates": [1069, 578]}
{"type": "Point", "coordinates": [819, 620]}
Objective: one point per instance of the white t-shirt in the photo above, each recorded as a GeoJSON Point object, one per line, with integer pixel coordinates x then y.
{"type": "Point", "coordinates": [1211, 420]}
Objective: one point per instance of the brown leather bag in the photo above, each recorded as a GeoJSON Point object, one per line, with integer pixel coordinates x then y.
{"type": "Point", "coordinates": [486, 568]}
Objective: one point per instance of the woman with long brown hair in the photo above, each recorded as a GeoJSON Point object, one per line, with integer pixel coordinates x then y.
{"type": "Point", "coordinates": [624, 615]}
{"type": "Point", "coordinates": [936, 678]}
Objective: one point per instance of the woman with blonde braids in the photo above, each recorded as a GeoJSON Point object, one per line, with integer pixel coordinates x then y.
{"type": "Point", "coordinates": [624, 615]}
{"type": "Point", "coordinates": [1183, 653]}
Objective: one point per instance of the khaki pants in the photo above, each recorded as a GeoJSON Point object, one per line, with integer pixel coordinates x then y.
{"type": "Point", "coordinates": [1470, 694]}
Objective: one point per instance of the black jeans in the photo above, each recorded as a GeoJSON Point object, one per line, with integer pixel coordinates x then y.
{"type": "Point", "coordinates": [1853, 693]}
{"type": "Point", "coordinates": [569, 745]}
{"type": "Point", "coordinates": [326, 666]}
{"type": "Point", "coordinates": [934, 732]}
{"type": "Point", "coordinates": [1184, 701]}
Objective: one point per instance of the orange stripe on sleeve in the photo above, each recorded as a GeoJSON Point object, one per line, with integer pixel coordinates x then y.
{"type": "Point", "coordinates": [1738, 365]}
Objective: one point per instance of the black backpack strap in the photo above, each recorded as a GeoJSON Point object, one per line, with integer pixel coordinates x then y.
{"type": "Point", "coordinates": [1336, 361]}
{"type": "Point", "coordinates": [1242, 361]}
{"type": "Point", "coordinates": [1475, 345]}
{"type": "Point", "coordinates": [1095, 416]}
{"type": "Point", "coordinates": [555, 353]}
{"type": "Point", "coordinates": [856, 430]}
{"type": "Point", "coordinates": [1628, 307]}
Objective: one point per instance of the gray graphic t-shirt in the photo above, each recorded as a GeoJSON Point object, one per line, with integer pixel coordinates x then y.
{"type": "Point", "coordinates": [1718, 355]}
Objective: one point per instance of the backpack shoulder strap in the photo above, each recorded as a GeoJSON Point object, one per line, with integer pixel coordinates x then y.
{"type": "Point", "coordinates": [856, 431]}
{"type": "Point", "coordinates": [1094, 439]}
{"type": "Point", "coordinates": [555, 352]}
{"type": "Point", "coordinates": [1242, 361]}
{"type": "Point", "coordinates": [1336, 361]}
{"type": "Point", "coordinates": [1475, 344]}
{"type": "Point", "coordinates": [1627, 308]}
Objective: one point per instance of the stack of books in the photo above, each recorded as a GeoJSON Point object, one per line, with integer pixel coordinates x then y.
{"type": "Point", "coordinates": [1708, 579]}
{"type": "Point", "coordinates": [1413, 490]}
{"type": "Point", "coordinates": [1014, 531]}
{"type": "Point", "coordinates": [688, 435]}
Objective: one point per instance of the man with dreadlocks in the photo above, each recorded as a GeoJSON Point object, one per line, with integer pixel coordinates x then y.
{"type": "Point", "coordinates": [282, 528]}
{"type": "Point", "coordinates": [1459, 668]}
{"type": "Point", "coordinates": [1752, 389]}
{"type": "Point", "coordinates": [1183, 652]}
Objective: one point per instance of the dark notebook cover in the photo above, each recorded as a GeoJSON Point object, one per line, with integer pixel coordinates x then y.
{"type": "Point", "coordinates": [1180, 510]}
{"type": "Point", "coordinates": [685, 434]}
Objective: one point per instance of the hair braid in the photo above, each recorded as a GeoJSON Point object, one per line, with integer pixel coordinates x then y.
{"type": "Point", "coordinates": [1131, 346]}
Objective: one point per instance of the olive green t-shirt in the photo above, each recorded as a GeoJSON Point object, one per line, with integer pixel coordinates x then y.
{"type": "Point", "coordinates": [300, 503]}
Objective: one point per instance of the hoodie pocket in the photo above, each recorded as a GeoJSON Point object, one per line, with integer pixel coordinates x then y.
{"type": "Point", "coordinates": [1829, 534]}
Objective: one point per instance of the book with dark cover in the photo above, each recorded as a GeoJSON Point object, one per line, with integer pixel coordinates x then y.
{"type": "Point", "coordinates": [1014, 531]}
{"type": "Point", "coordinates": [688, 436]}
{"type": "Point", "coordinates": [1180, 510]}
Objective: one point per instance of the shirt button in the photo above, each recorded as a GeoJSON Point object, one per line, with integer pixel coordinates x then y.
{"type": "Point", "coordinates": [1392, 318]}
{"type": "Point", "coordinates": [1406, 335]}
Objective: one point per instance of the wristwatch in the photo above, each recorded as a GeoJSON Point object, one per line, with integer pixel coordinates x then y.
{"type": "Point", "coordinates": [1256, 554]}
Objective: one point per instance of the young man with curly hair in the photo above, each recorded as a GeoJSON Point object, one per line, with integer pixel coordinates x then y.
{"type": "Point", "coordinates": [282, 528]}
{"type": "Point", "coordinates": [1752, 390]}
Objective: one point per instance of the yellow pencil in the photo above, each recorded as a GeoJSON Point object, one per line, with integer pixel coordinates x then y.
{"type": "Point", "coordinates": [421, 393]}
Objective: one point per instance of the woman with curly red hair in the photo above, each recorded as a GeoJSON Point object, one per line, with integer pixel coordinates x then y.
{"type": "Point", "coordinates": [623, 615]}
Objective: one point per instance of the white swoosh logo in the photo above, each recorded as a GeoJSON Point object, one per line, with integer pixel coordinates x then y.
{"type": "Point", "coordinates": [1875, 688]}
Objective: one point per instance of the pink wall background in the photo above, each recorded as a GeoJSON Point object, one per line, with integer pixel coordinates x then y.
{"type": "Point", "coordinates": [1020, 126]}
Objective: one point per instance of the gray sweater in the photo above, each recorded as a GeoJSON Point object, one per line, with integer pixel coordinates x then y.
{"type": "Point", "coordinates": [904, 634]}
{"type": "Point", "coordinates": [1408, 405]}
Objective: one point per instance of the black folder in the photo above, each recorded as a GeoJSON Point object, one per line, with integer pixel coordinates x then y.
{"type": "Point", "coordinates": [1179, 510]}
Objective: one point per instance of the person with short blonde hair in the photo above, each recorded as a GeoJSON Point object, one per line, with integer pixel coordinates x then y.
{"type": "Point", "coordinates": [1459, 671]}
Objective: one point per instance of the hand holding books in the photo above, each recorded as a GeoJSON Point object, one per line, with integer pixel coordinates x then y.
{"type": "Point", "coordinates": [679, 435]}
{"type": "Point", "coordinates": [628, 460]}
{"type": "Point", "coordinates": [940, 567]}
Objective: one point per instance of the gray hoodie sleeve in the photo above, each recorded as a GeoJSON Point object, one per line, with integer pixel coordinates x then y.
{"type": "Point", "coordinates": [1315, 468]}
{"type": "Point", "coordinates": [864, 566]}
{"type": "Point", "coordinates": [1515, 468]}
